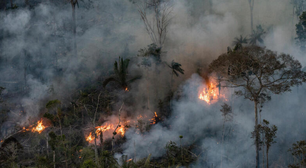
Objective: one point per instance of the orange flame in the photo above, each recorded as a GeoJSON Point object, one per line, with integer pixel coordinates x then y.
{"type": "Point", "coordinates": [126, 89]}
{"type": "Point", "coordinates": [89, 138]}
{"type": "Point", "coordinates": [108, 128]}
{"type": "Point", "coordinates": [39, 128]}
{"type": "Point", "coordinates": [154, 119]}
{"type": "Point", "coordinates": [121, 131]}
{"type": "Point", "coordinates": [129, 160]}
{"type": "Point", "coordinates": [211, 93]}
{"type": "Point", "coordinates": [100, 129]}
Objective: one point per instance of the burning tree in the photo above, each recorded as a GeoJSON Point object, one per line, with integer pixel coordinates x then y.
{"type": "Point", "coordinates": [258, 72]}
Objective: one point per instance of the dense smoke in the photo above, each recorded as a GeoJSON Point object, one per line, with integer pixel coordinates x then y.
{"type": "Point", "coordinates": [198, 33]}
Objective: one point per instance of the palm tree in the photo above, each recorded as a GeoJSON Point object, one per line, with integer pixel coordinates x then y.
{"type": "Point", "coordinates": [121, 74]}
{"type": "Point", "coordinates": [251, 4]}
{"type": "Point", "coordinates": [240, 40]}
{"type": "Point", "coordinates": [256, 36]}
{"type": "Point", "coordinates": [176, 69]}
{"type": "Point", "coordinates": [73, 3]}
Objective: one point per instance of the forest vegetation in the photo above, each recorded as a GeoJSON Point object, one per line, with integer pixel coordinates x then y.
{"type": "Point", "coordinates": [152, 84]}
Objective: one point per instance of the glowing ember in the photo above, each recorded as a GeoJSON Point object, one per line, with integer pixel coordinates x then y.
{"type": "Point", "coordinates": [129, 160]}
{"type": "Point", "coordinates": [39, 128]}
{"type": "Point", "coordinates": [126, 89]}
{"type": "Point", "coordinates": [211, 93]}
{"type": "Point", "coordinates": [155, 119]}
{"type": "Point", "coordinates": [89, 138]}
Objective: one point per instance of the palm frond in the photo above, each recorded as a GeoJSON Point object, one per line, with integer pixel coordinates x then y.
{"type": "Point", "coordinates": [176, 74]}
{"type": "Point", "coordinates": [240, 40]}
{"type": "Point", "coordinates": [110, 79]}
{"type": "Point", "coordinates": [177, 67]}
{"type": "Point", "coordinates": [257, 35]}
{"type": "Point", "coordinates": [134, 79]}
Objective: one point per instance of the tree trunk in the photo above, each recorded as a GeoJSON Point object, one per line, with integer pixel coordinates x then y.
{"type": "Point", "coordinates": [101, 141]}
{"type": "Point", "coordinates": [251, 4]}
{"type": "Point", "coordinates": [267, 153]}
{"type": "Point", "coordinates": [60, 123]}
{"type": "Point", "coordinates": [74, 29]}
{"type": "Point", "coordinates": [47, 145]}
{"type": "Point", "coordinates": [94, 126]}
{"type": "Point", "coordinates": [252, 19]}
{"type": "Point", "coordinates": [11, 3]}
{"type": "Point", "coordinates": [66, 159]}
{"type": "Point", "coordinates": [222, 144]}
{"type": "Point", "coordinates": [263, 155]}
{"type": "Point", "coordinates": [257, 136]}
{"type": "Point", "coordinates": [53, 158]}
{"type": "Point", "coordinates": [263, 140]}
{"type": "Point", "coordinates": [96, 150]}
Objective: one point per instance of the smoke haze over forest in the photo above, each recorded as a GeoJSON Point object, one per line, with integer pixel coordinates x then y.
{"type": "Point", "coordinates": [39, 63]}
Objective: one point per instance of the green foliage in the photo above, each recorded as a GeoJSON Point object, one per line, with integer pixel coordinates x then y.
{"type": "Point", "coordinates": [56, 140]}
{"type": "Point", "coordinates": [107, 159]}
{"type": "Point", "coordinates": [67, 121]}
{"type": "Point", "coordinates": [89, 164]}
{"type": "Point", "coordinates": [87, 153]}
{"type": "Point", "coordinates": [177, 156]}
{"type": "Point", "coordinates": [43, 162]}
{"type": "Point", "coordinates": [298, 150]}
{"type": "Point", "coordinates": [269, 133]}
{"type": "Point", "coordinates": [49, 116]}
{"type": "Point", "coordinates": [52, 104]}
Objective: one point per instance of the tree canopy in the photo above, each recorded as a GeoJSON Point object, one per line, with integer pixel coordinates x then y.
{"type": "Point", "coordinates": [258, 71]}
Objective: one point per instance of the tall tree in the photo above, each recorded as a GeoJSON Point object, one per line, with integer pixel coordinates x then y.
{"type": "Point", "coordinates": [257, 73]}
{"type": "Point", "coordinates": [158, 27]}
{"type": "Point", "coordinates": [298, 150]}
{"type": "Point", "coordinates": [73, 4]}
{"type": "Point", "coordinates": [251, 4]}
{"type": "Point", "coordinates": [301, 31]}
{"type": "Point", "coordinates": [227, 115]}
{"type": "Point", "coordinates": [121, 74]}
{"type": "Point", "coordinates": [270, 135]}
